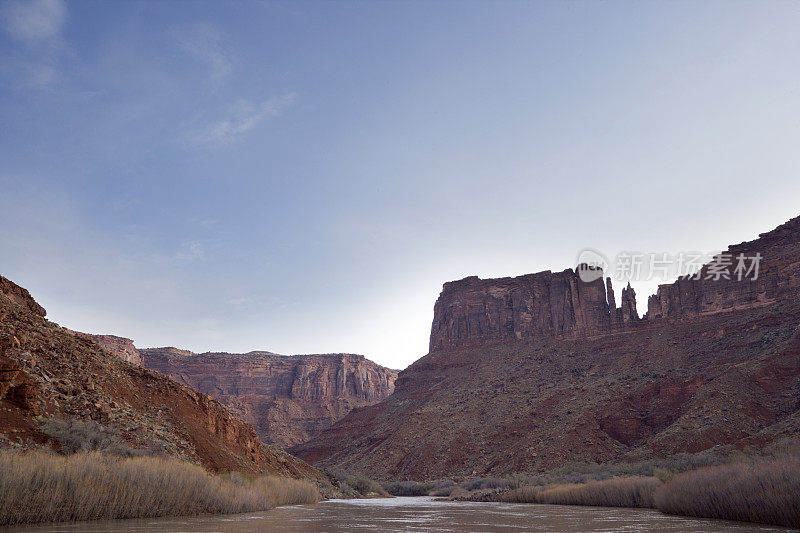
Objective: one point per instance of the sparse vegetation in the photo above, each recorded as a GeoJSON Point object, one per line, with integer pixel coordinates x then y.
{"type": "Point", "coordinates": [42, 487]}
{"type": "Point", "coordinates": [357, 486]}
{"type": "Point", "coordinates": [443, 488]}
{"type": "Point", "coordinates": [366, 487]}
{"type": "Point", "coordinates": [661, 468]}
{"type": "Point", "coordinates": [766, 492]}
{"type": "Point", "coordinates": [491, 483]}
{"type": "Point", "coordinates": [76, 435]}
{"type": "Point", "coordinates": [406, 488]}
{"type": "Point", "coordinates": [618, 492]}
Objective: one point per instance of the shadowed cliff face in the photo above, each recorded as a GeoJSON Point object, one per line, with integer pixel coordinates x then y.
{"type": "Point", "coordinates": [50, 371]}
{"type": "Point", "coordinates": [532, 372]}
{"type": "Point", "coordinates": [474, 311]}
{"type": "Point", "coordinates": [288, 399]}
{"type": "Point", "coordinates": [778, 279]}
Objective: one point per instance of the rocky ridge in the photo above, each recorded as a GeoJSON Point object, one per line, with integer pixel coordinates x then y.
{"type": "Point", "coordinates": [119, 346]}
{"type": "Point", "coordinates": [473, 311]}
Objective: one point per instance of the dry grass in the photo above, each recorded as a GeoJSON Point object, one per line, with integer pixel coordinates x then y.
{"type": "Point", "coordinates": [75, 435]}
{"type": "Point", "coordinates": [763, 492]}
{"type": "Point", "coordinates": [39, 487]}
{"type": "Point", "coordinates": [618, 492]}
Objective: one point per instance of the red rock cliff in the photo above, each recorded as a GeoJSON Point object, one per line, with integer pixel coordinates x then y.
{"type": "Point", "coordinates": [778, 278]}
{"type": "Point", "coordinates": [288, 399]}
{"type": "Point", "coordinates": [50, 371]}
{"type": "Point", "coordinates": [533, 372]}
{"type": "Point", "coordinates": [472, 311]}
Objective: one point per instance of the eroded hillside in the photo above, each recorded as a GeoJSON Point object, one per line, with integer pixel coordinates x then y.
{"type": "Point", "coordinates": [47, 371]}
{"type": "Point", "coordinates": [533, 372]}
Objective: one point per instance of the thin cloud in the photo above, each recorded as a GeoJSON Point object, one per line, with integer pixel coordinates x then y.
{"type": "Point", "coordinates": [34, 22]}
{"type": "Point", "coordinates": [204, 43]}
{"type": "Point", "coordinates": [36, 27]}
{"type": "Point", "coordinates": [243, 117]}
{"type": "Point", "coordinates": [191, 251]}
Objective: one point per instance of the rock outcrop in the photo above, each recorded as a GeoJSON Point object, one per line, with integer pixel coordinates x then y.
{"type": "Point", "coordinates": [20, 296]}
{"type": "Point", "coordinates": [533, 372]}
{"type": "Point", "coordinates": [474, 311]}
{"type": "Point", "coordinates": [47, 370]}
{"type": "Point", "coordinates": [718, 287]}
{"type": "Point", "coordinates": [288, 399]}
{"type": "Point", "coordinates": [119, 346]}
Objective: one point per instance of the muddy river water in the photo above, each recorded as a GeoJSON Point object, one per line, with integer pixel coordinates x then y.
{"type": "Point", "coordinates": [415, 514]}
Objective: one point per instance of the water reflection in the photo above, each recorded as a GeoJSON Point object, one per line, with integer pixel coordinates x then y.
{"type": "Point", "coordinates": [415, 514]}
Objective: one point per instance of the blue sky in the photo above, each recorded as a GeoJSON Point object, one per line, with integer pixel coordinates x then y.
{"type": "Point", "coordinates": [303, 177]}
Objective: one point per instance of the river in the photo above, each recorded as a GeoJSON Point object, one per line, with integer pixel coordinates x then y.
{"type": "Point", "coordinates": [414, 514]}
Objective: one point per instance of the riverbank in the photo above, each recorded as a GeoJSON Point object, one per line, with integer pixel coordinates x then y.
{"type": "Point", "coordinates": [764, 492]}
{"type": "Point", "coordinates": [39, 487]}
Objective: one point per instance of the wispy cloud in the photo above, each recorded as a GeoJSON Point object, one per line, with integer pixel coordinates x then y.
{"type": "Point", "coordinates": [242, 117]}
{"type": "Point", "coordinates": [36, 26]}
{"type": "Point", "coordinates": [205, 43]}
{"type": "Point", "coordinates": [191, 251]}
{"type": "Point", "coordinates": [34, 21]}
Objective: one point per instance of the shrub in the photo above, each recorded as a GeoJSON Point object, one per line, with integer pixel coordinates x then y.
{"type": "Point", "coordinates": [585, 472]}
{"type": "Point", "coordinates": [355, 486]}
{"type": "Point", "coordinates": [618, 492]}
{"type": "Point", "coordinates": [407, 488]}
{"type": "Point", "coordinates": [40, 487]}
{"type": "Point", "coordinates": [766, 492]}
{"type": "Point", "coordinates": [75, 435]}
{"type": "Point", "coordinates": [443, 488]}
{"type": "Point", "coordinates": [366, 487]}
{"type": "Point", "coordinates": [490, 483]}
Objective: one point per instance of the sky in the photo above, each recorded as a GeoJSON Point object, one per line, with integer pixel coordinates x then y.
{"type": "Point", "coordinates": [302, 177]}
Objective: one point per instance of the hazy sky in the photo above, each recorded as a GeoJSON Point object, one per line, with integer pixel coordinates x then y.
{"type": "Point", "coordinates": [303, 177]}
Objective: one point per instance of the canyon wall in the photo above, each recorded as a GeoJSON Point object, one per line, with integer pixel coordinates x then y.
{"type": "Point", "coordinates": [288, 399]}
{"type": "Point", "coordinates": [531, 373]}
{"type": "Point", "coordinates": [778, 278]}
{"type": "Point", "coordinates": [474, 311]}
{"type": "Point", "coordinates": [50, 372]}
